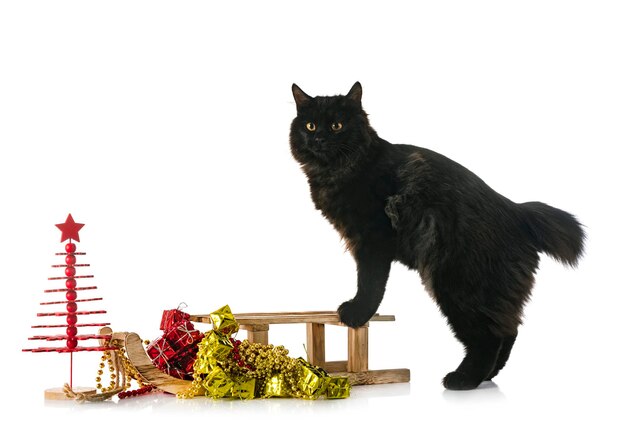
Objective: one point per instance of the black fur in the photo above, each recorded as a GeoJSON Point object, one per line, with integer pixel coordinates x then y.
{"type": "Point", "coordinates": [475, 250]}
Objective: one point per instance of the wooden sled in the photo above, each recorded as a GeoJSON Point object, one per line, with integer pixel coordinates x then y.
{"type": "Point", "coordinates": [356, 367]}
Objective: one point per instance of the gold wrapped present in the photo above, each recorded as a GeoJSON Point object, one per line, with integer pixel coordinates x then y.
{"type": "Point", "coordinates": [244, 390]}
{"type": "Point", "coordinates": [224, 321]}
{"type": "Point", "coordinates": [203, 364]}
{"type": "Point", "coordinates": [313, 380]}
{"type": "Point", "coordinates": [275, 386]}
{"type": "Point", "coordinates": [215, 345]}
{"type": "Point", "coordinates": [217, 383]}
{"type": "Point", "coordinates": [338, 387]}
{"type": "Point", "coordinates": [213, 348]}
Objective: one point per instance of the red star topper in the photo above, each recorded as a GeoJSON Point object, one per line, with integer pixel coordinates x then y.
{"type": "Point", "coordinates": [70, 229]}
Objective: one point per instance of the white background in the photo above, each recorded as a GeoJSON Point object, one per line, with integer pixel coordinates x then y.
{"type": "Point", "coordinates": [163, 126]}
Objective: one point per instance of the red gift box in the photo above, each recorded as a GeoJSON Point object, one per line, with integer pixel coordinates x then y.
{"type": "Point", "coordinates": [182, 335]}
{"type": "Point", "coordinates": [187, 361]}
{"type": "Point", "coordinates": [175, 351]}
{"type": "Point", "coordinates": [171, 317]}
{"type": "Point", "coordinates": [161, 352]}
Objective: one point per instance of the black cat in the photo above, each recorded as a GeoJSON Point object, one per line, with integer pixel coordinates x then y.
{"type": "Point", "coordinates": [476, 251]}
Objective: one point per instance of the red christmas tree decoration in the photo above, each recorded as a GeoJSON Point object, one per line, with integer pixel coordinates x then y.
{"type": "Point", "coordinates": [71, 288]}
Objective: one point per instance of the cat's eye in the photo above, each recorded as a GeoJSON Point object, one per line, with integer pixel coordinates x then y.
{"type": "Point", "coordinates": [310, 126]}
{"type": "Point", "coordinates": [336, 126]}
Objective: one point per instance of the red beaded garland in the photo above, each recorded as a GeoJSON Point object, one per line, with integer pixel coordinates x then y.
{"type": "Point", "coordinates": [71, 331]}
{"type": "Point", "coordinates": [71, 307]}
{"type": "Point", "coordinates": [237, 356]}
{"type": "Point", "coordinates": [70, 295]}
{"type": "Point", "coordinates": [70, 247]}
{"type": "Point", "coordinates": [71, 319]}
{"type": "Point", "coordinates": [72, 342]}
{"type": "Point", "coordinates": [70, 271]}
{"type": "Point", "coordinates": [70, 283]}
{"type": "Point", "coordinates": [70, 259]}
{"type": "Point", "coordinates": [143, 390]}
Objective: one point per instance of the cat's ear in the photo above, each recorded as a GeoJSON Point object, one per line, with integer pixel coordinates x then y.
{"type": "Point", "coordinates": [300, 96]}
{"type": "Point", "coordinates": [355, 93]}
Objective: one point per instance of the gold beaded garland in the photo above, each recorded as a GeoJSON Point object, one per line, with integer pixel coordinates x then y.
{"type": "Point", "coordinates": [128, 372]}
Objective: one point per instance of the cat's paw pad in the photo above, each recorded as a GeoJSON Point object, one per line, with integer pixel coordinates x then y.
{"type": "Point", "coordinates": [353, 314]}
{"type": "Point", "coordinates": [458, 381]}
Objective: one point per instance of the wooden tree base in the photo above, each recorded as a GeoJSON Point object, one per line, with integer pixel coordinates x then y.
{"type": "Point", "coordinates": [59, 394]}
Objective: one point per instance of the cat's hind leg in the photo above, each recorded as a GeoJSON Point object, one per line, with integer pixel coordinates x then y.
{"type": "Point", "coordinates": [503, 355]}
{"type": "Point", "coordinates": [481, 355]}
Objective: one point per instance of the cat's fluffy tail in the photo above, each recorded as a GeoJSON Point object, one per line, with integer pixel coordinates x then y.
{"type": "Point", "coordinates": [555, 232]}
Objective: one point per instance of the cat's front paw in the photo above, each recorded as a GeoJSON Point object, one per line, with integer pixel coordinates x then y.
{"type": "Point", "coordinates": [353, 314]}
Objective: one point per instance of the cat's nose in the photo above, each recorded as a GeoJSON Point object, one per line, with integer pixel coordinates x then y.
{"type": "Point", "coordinates": [320, 139]}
